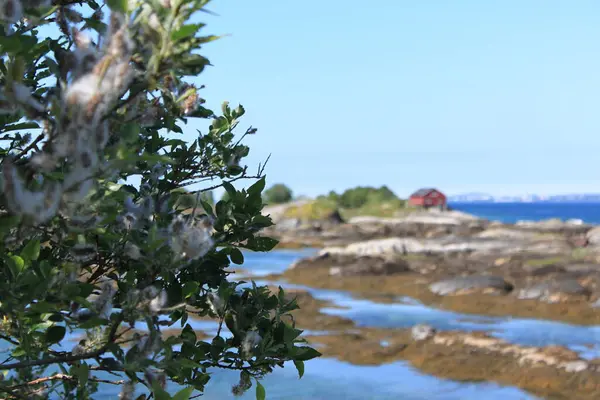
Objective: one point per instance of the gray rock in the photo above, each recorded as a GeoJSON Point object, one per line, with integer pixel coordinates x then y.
{"type": "Point", "coordinates": [593, 236]}
{"type": "Point", "coordinates": [422, 332]}
{"type": "Point", "coordinates": [553, 291]}
{"type": "Point", "coordinates": [575, 366]}
{"type": "Point", "coordinates": [583, 268]}
{"type": "Point", "coordinates": [288, 224]}
{"type": "Point", "coordinates": [543, 270]}
{"type": "Point", "coordinates": [484, 283]}
{"type": "Point", "coordinates": [506, 233]}
{"type": "Point", "coordinates": [371, 266]}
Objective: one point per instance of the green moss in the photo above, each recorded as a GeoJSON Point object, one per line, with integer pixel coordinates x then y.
{"type": "Point", "coordinates": [580, 254]}
{"type": "Point", "coordinates": [544, 261]}
{"type": "Point", "coordinates": [322, 207]}
{"type": "Point", "coordinates": [311, 211]}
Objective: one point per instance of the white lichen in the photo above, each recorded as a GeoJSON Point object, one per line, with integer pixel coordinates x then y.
{"type": "Point", "coordinates": [251, 340]}
{"type": "Point", "coordinates": [127, 391]}
{"type": "Point", "coordinates": [216, 303]}
{"type": "Point", "coordinates": [190, 239]}
{"type": "Point", "coordinates": [132, 251]}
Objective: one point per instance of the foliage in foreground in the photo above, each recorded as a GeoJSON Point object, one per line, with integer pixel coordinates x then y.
{"type": "Point", "coordinates": [86, 255]}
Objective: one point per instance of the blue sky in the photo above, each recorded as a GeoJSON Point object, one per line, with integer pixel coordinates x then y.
{"type": "Point", "coordinates": [466, 95]}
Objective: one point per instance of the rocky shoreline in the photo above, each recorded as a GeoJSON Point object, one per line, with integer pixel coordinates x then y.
{"type": "Point", "coordinates": [552, 371]}
{"type": "Point", "coordinates": [449, 260]}
{"type": "Point", "coordinates": [548, 269]}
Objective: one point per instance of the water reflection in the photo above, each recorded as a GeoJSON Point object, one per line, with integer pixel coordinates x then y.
{"type": "Point", "coordinates": [333, 380]}
{"type": "Point", "coordinates": [407, 312]}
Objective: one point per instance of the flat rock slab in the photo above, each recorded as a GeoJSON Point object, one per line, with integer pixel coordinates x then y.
{"type": "Point", "coordinates": [554, 291]}
{"type": "Point", "coordinates": [470, 284]}
{"type": "Point", "coordinates": [583, 268]}
{"type": "Point", "coordinates": [371, 266]}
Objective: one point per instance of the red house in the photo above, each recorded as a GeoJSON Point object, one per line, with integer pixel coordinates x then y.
{"type": "Point", "coordinates": [428, 198]}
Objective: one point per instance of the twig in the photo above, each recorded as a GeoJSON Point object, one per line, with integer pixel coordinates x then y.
{"type": "Point", "coordinates": [222, 318]}
{"type": "Point", "coordinates": [229, 181]}
{"type": "Point", "coordinates": [63, 377]}
{"type": "Point", "coordinates": [261, 169]}
{"type": "Point", "coordinates": [10, 340]}
{"type": "Point", "coordinates": [31, 145]}
{"type": "Point", "coordinates": [68, 358]}
{"type": "Point", "coordinates": [11, 394]}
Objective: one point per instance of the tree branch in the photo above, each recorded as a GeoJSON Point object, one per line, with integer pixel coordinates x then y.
{"type": "Point", "coordinates": [221, 184]}
{"type": "Point", "coordinates": [63, 377]}
{"type": "Point", "coordinates": [31, 145]}
{"type": "Point", "coordinates": [68, 358]}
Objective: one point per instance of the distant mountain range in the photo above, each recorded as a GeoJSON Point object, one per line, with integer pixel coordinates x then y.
{"type": "Point", "coordinates": [562, 198]}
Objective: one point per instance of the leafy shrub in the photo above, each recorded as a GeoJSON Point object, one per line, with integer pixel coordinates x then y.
{"type": "Point", "coordinates": [359, 196]}
{"type": "Point", "coordinates": [312, 210]}
{"type": "Point", "coordinates": [86, 255]}
{"type": "Point", "coordinates": [277, 194]}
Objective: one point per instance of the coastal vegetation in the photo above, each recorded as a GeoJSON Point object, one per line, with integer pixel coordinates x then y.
{"type": "Point", "coordinates": [358, 201]}
{"type": "Point", "coordinates": [93, 97]}
{"type": "Point", "coordinates": [277, 194]}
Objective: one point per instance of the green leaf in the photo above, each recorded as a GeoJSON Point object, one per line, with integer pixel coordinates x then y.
{"type": "Point", "coordinates": [55, 334]}
{"type": "Point", "coordinates": [31, 251]}
{"type": "Point", "coordinates": [257, 187]}
{"type": "Point", "coordinates": [160, 393]}
{"type": "Point", "coordinates": [289, 333]}
{"type": "Point", "coordinates": [189, 289]}
{"type": "Point", "coordinates": [21, 126]}
{"type": "Point", "coordinates": [130, 132]}
{"type": "Point", "coordinates": [184, 394]}
{"type": "Point", "coordinates": [117, 5]}
{"type": "Point", "coordinates": [229, 189]}
{"type": "Point", "coordinates": [300, 367]}
{"type": "Point", "coordinates": [18, 352]}
{"type": "Point", "coordinates": [262, 243]}
{"type": "Point", "coordinates": [236, 256]}
{"type": "Point", "coordinates": [185, 31]}
{"type": "Point", "coordinates": [186, 363]}
{"type": "Point", "coordinates": [83, 373]}
{"type": "Point", "coordinates": [261, 394]}
{"type": "Point", "coordinates": [16, 265]}
{"type": "Point", "coordinates": [304, 353]}
{"type": "Point", "coordinates": [262, 221]}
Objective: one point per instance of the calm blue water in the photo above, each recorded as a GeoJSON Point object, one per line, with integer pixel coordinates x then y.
{"type": "Point", "coordinates": [513, 212]}
{"type": "Point", "coordinates": [335, 380]}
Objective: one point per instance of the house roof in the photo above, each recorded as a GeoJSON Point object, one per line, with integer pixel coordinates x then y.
{"type": "Point", "coordinates": [423, 192]}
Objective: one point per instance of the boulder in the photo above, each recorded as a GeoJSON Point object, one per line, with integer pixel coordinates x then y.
{"type": "Point", "coordinates": [405, 245]}
{"type": "Point", "coordinates": [469, 284]}
{"type": "Point", "coordinates": [422, 332]}
{"type": "Point", "coordinates": [554, 291]}
{"type": "Point", "coordinates": [593, 236]}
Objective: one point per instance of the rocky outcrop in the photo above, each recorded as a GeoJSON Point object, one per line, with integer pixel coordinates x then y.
{"type": "Point", "coordinates": [554, 291]}
{"type": "Point", "coordinates": [406, 245]}
{"type": "Point", "coordinates": [555, 225]}
{"type": "Point", "coordinates": [552, 356]}
{"type": "Point", "coordinates": [432, 217]}
{"type": "Point", "coordinates": [471, 284]}
{"type": "Point", "coordinates": [371, 266]}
